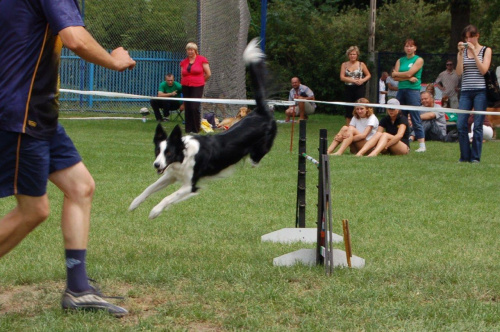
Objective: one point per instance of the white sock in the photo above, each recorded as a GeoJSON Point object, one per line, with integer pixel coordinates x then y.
{"type": "Point", "coordinates": [421, 145]}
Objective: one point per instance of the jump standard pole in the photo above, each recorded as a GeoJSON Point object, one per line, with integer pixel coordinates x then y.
{"type": "Point", "coordinates": [300, 210]}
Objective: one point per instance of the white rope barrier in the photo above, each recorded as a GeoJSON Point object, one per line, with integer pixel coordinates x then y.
{"type": "Point", "coordinates": [277, 102]}
{"type": "Point", "coordinates": [401, 107]}
{"type": "Point", "coordinates": [200, 100]}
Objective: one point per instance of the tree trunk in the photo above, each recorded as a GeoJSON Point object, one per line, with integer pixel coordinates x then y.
{"type": "Point", "coordinates": [460, 18]}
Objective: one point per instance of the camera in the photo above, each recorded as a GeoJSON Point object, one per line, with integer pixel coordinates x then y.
{"type": "Point", "coordinates": [465, 45]}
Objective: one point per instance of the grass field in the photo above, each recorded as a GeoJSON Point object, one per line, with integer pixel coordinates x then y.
{"type": "Point", "coordinates": [427, 226]}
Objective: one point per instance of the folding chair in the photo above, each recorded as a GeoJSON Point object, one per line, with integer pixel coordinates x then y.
{"type": "Point", "coordinates": [177, 113]}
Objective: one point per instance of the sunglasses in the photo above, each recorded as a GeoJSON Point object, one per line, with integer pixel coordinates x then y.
{"type": "Point", "coordinates": [449, 64]}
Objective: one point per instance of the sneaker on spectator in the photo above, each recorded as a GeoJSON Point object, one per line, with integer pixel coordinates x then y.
{"type": "Point", "coordinates": [421, 150]}
{"type": "Point", "coordinates": [90, 300]}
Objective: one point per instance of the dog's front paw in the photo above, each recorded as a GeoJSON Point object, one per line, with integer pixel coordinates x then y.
{"type": "Point", "coordinates": [155, 212]}
{"type": "Point", "coordinates": [135, 203]}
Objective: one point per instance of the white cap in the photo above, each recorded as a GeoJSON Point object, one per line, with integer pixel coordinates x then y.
{"type": "Point", "coordinates": [393, 101]}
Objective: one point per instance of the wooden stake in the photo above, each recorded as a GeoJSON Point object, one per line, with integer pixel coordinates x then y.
{"type": "Point", "coordinates": [347, 241]}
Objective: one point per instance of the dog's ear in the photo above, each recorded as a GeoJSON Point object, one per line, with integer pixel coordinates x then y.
{"type": "Point", "coordinates": [175, 146]}
{"type": "Point", "coordinates": [176, 134]}
{"type": "Point", "coordinates": [160, 134]}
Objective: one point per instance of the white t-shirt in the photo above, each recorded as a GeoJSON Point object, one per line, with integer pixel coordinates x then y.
{"type": "Point", "coordinates": [361, 124]}
{"type": "Point", "coordinates": [381, 96]}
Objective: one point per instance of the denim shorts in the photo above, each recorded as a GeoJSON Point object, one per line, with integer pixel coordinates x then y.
{"type": "Point", "coordinates": [27, 162]}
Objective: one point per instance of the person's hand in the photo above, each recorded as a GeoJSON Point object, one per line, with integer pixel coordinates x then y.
{"type": "Point", "coordinates": [471, 47]}
{"type": "Point", "coordinates": [174, 93]}
{"type": "Point", "coordinates": [357, 81]}
{"type": "Point", "coordinates": [460, 46]}
{"type": "Point", "coordinates": [123, 59]}
{"type": "Point", "coordinates": [413, 79]}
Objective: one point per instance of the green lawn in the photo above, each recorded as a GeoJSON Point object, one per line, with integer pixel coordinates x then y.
{"type": "Point", "coordinates": [427, 226]}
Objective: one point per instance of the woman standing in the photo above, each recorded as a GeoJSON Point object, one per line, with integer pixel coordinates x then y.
{"type": "Point", "coordinates": [473, 61]}
{"type": "Point", "coordinates": [195, 71]}
{"type": "Point", "coordinates": [354, 74]}
{"type": "Point", "coordinates": [408, 71]}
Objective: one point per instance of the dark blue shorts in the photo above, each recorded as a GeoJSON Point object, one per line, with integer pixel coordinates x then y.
{"type": "Point", "coordinates": [26, 162]}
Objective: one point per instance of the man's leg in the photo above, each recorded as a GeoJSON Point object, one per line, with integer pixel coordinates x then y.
{"type": "Point", "coordinates": [155, 105]}
{"type": "Point", "coordinates": [26, 216]}
{"type": "Point", "coordinates": [302, 111]}
{"type": "Point", "coordinates": [78, 187]}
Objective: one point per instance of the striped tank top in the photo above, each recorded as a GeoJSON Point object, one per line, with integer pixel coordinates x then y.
{"type": "Point", "coordinates": [472, 79]}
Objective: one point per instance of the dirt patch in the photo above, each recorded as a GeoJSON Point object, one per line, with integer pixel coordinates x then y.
{"type": "Point", "coordinates": [141, 302]}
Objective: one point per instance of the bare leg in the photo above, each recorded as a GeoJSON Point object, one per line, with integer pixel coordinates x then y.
{"type": "Point", "coordinates": [382, 142]}
{"type": "Point", "coordinates": [399, 149]}
{"type": "Point", "coordinates": [332, 146]}
{"type": "Point", "coordinates": [369, 144]}
{"type": "Point", "coordinates": [78, 187]}
{"type": "Point", "coordinates": [26, 216]}
{"type": "Point", "coordinates": [345, 144]}
{"type": "Point", "coordinates": [338, 139]}
{"type": "Point", "coordinates": [302, 112]}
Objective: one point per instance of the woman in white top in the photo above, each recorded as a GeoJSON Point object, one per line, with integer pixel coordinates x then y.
{"type": "Point", "coordinates": [354, 74]}
{"type": "Point", "coordinates": [473, 61]}
{"type": "Point", "coordinates": [362, 127]}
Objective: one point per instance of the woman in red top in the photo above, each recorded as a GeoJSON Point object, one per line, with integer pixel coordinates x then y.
{"type": "Point", "coordinates": [195, 71]}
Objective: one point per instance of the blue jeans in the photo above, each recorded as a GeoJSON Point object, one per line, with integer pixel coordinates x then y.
{"type": "Point", "coordinates": [412, 97]}
{"type": "Point", "coordinates": [471, 99]}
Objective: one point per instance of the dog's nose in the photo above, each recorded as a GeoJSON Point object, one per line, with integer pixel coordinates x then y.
{"type": "Point", "coordinates": [156, 165]}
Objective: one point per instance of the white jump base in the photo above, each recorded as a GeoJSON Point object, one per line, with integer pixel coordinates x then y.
{"type": "Point", "coordinates": [292, 235]}
{"type": "Point", "coordinates": [308, 257]}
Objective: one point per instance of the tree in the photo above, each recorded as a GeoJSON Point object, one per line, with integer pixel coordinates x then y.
{"type": "Point", "coordinates": [460, 18]}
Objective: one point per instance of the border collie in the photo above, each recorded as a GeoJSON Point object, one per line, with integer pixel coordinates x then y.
{"type": "Point", "coordinates": [191, 158]}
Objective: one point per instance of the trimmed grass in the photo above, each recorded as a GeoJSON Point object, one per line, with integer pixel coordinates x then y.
{"type": "Point", "coordinates": [427, 226]}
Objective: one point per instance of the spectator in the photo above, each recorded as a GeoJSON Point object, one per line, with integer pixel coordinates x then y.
{"type": "Point", "coordinates": [195, 71]}
{"type": "Point", "coordinates": [34, 146]}
{"type": "Point", "coordinates": [361, 129]}
{"type": "Point", "coordinates": [354, 74]}
{"type": "Point", "coordinates": [392, 86]}
{"type": "Point", "coordinates": [408, 71]}
{"type": "Point", "coordinates": [382, 89]}
{"type": "Point", "coordinates": [168, 88]}
{"type": "Point", "coordinates": [447, 82]}
{"type": "Point", "coordinates": [431, 89]}
{"type": "Point", "coordinates": [473, 61]}
{"type": "Point", "coordinates": [434, 123]}
{"type": "Point", "coordinates": [395, 139]}
{"type": "Point", "coordinates": [300, 91]}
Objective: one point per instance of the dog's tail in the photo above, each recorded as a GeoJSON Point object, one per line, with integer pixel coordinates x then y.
{"type": "Point", "coordinates": [255, 60]}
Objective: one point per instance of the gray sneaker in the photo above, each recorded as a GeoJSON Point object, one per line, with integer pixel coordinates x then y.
{"type": "Point", "coordinates": [90, 300]}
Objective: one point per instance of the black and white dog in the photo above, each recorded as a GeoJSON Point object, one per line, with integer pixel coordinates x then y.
{"type": "Point", "coordinates": [191, 158]}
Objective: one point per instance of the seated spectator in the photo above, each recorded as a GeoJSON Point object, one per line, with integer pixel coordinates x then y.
{"type": "Point", "coordinates": [168, 88]}
{"type": "Point", "coordinates": [302, 110]}
{"type": "Point", "coordinates": [487, 128]}
{"type": "Point", "coordinates": [395, 139]}
{"type": "Point", "coordinates": [361, 129]}
{"type": "Point", "coordinates": [433, 123]}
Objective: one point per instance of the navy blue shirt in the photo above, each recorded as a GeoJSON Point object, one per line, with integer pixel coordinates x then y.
{"type": "Point", "coordinates": [30, 50]}
{"type": "Point", "coordinates": [392, 128]}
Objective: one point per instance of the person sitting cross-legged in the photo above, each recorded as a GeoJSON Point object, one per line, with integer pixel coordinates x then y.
{"type": "Point", "coordinates": [168, 88]}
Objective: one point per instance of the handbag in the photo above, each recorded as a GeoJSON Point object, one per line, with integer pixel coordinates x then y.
{"type": "Point", "coordinates": [492, 87]}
